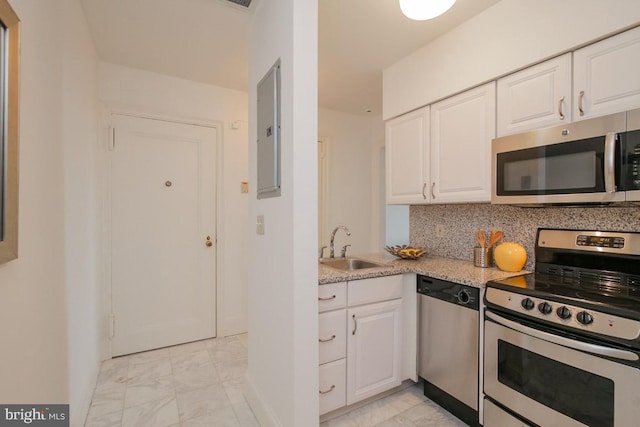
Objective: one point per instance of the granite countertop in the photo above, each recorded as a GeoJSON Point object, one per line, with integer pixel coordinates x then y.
{"type": "Point", "coordinates": [454, 270]}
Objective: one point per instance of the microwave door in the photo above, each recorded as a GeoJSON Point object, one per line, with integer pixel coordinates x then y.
{"type": "Point", "coordinates": [581, 171]}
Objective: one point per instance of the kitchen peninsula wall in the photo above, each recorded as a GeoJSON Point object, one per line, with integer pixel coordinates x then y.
{"type": "Point", "coordinates": [519, 225]}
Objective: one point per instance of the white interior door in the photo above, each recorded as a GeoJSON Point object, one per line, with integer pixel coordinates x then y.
{"type": "Point", "coordinates": [163, 251]}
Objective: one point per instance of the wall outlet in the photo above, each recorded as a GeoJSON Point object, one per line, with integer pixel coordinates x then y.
{"type": "Point", "coordinates": [260, 225]}
{"type": "Point", "coordinates": [440, 230]}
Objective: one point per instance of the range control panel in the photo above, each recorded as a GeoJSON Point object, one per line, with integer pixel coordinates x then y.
{"type": "Point", "coordinates": [600, 241]}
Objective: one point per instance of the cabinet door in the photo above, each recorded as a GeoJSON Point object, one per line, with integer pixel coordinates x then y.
{"type": "Point", "coordinates": [373, 349]}
{"type": "Point", "coordinates": [407, 158]}
{"type": "Point", "coordinates": [462, 128]}
{"type": "Point", "coordinates": [539, 96]}
{"type": "Point", "coordinates": [606, 76]}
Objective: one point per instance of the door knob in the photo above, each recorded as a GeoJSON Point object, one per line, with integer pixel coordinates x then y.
{"type": "Point", "coordinates": [209, 243]}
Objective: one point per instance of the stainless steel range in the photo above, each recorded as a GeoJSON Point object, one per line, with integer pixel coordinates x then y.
{"type": "Point", "coordinates": [562, 345]}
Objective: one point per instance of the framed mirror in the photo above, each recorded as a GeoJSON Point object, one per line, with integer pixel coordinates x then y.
{"type": "Point", "coordinates": [9, 87]}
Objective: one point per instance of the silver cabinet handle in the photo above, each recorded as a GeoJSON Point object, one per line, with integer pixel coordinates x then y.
{"type": "Point", "coordinates": [327, 299]}
{"type": "Point", "coordinates": [333, 337]}
{"type": "Point", "coordinates": [433, 185]}
{"type": "Point", "coordinates": [580, 99]}
{"type": "Point", "coordinates": [560, 102]}
{"type": "Point", "coordinates": [355, 325]}
{"type": "Point", "coordinates": [610, 162]}
{"type": "Point", "coordinates": [424, 187]}
{"type": "Point", "coordinates": [560, 340]}
{"type": "Point", "coordinates": [328, 391]}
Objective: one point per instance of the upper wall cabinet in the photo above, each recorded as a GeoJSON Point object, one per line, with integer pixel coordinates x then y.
{"type": "Point", "coordinates": [407, 158]}
{"type": "Point", "coordinates": [462, 128]}
{"type": "Point", "coordinates": [607, 76]}
{"type": "Point", "coordinates": [536, 97]}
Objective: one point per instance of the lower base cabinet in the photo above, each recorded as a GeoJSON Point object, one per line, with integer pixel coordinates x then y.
{"type": "Point", "coordinates": [333, 388]}
{"type": "Point", "coordinates": [370, 332]}
{"type": "Point", "coordinates": [373, 349]}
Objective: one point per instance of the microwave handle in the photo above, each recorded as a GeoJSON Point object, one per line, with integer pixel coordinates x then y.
{"type": "Point", "coordinates": [557, 339]}
{"type": "Point", "coordinates": [610, 162]}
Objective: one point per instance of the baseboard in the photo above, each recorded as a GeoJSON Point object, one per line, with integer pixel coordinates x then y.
{"type": "Point", "coordinates": [233, 325]}
{"type": "Point", "coordinates": [263, 412]}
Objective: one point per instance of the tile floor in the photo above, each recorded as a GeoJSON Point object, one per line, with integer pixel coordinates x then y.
{"type": "Point", "coordinates": [201, 384]}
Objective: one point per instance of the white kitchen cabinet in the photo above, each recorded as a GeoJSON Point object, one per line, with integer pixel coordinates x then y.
{"type": "Point", "coordinates": [407, 158]}
{"type": "Point", "coordinates": [536, 97]}
{"type": "Point", "coordinates": [605, 76]}
{"type": "Point", "coordinates": [373, 349]}
{"type": "Point", "coordinates": [361, 351]}
{"type": "Point", "coordinates": [332, 339]}
{"type": "Point", "coordinates": [462, 128]}
{"type": "Point", "coordinates": [333, 387]}
{"type": "Point", "coordinates": [332, 296]}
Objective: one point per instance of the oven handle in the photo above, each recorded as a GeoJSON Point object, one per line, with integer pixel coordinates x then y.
{"type": "Point", "coordinates": [610, 162]}
{"type": "Point", "coordinates": [578, 345]}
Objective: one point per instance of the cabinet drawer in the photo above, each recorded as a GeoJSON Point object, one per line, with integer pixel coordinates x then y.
{"type": "Point", "coordinates": [366, 291]}
{"type": "Point", "coordinates": [332, 296]}
{"type": "Point", "coordinates": [333, 390]}
{"type": "Point", "coordinates": [332, 335]}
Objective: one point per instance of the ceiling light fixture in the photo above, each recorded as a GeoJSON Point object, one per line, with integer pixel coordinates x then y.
{"type": "Point", "coordinates": [421, 10]}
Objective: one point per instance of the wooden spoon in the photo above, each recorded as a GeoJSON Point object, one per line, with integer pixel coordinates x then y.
{"type": "Point", "coordinates": [495, 237]}
{"type": "Point", "coordinates": [481, 237]}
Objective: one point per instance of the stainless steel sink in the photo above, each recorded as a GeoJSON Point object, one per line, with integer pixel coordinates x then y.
{"type": "Point", "coordinates": [349, 264]}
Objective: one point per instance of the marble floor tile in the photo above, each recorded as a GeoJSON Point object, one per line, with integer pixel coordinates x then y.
{"type": "Point", "coordinates": [140, 391]}
{"type": "Point", "coordinates": [190, 361]}
{"type": "Point", "coordinates": [231, 351]}
{"type": "Point", "coordinates": [203, 383]}
{"type": "Point", "coordinates": [113, 419]}
{"type": "Point", "coordinates": [196, 378]}
{"type": "Point", "coordinates": [157, 413]}
{"type": "Point", "coordinates": [428, 414]}
{"type": "Point", "coordinates": [107, 398]}
{"type": "Point", "coordinates": [231, 369]}
{"type": "Point", "coordinates": [114, 370]}
{"type": "Point", "coordinates": [209, 403]}
{"type": "Point", "coordinates": [141, 370]}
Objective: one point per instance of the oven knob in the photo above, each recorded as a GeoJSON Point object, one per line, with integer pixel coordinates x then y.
{"type": "Point", "coordinates": [545, 308]}
{"type": "Point", "coordinates": [563, 312]}
{"type": "Point", "coordinates": [527, 304]}
{"type": "Point", "coordinates": [584, 318]}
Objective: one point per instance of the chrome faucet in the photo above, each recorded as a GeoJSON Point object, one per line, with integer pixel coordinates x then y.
{"type": "Point", "coordinates": [333, 236]}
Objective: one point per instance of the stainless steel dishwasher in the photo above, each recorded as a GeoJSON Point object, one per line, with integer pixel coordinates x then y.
{"type": "Point", "coordinates": [448, 345]}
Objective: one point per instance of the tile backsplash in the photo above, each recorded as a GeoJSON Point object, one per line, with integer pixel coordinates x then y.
{"type": "Point", "coordinates": [518, 224]}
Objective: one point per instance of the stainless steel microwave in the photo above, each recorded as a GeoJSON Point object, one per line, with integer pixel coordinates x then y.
{"type": "Point", "coordinates": [594, 161]}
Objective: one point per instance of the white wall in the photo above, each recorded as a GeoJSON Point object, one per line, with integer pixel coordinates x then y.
{"type": "Point", "coordinates": [149, 93]}
{"type": "Point", "coordinates": [32, 293]}
{"type": "Point", "coordinates": [354, 149]}
{"type": "Point", "coordinates": [283, 276]}
{"type": "Point", "coordinates": [80, 127]}
{"type": "Point", "coordinates": [508, 36]}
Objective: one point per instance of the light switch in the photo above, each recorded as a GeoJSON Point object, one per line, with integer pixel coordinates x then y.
{"type": "Point", "coordinates": [260, 225]}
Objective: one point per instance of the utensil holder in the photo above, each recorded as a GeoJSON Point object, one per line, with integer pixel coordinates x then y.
{"type": "Point", "coordinates": [483, 257]}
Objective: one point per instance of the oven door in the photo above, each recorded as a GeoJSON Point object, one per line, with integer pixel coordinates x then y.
{"type": "Point", "coordinates": [540, 377]}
